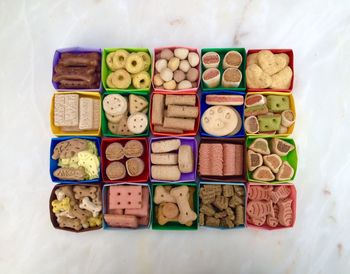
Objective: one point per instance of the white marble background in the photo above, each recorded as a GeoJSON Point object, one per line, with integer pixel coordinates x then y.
{"type": "Point", "coordinates": [319, 33]}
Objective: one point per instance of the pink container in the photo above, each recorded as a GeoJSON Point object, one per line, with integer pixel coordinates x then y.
{"type": "Point", "coordinates": [293, 196]}
{"type": "Point", "coordinates": [157, 51]}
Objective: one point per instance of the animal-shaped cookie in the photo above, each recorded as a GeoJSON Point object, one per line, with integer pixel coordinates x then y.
{"type": "Point", "coordinates": [258, 209]}
{"type": "Point", "coordinates": [260, 193]}
{"type": "Point", "coordinates": [59, 206]}
{"type": "Point", "coordinates": [279, 193]}
{"type": "Point", "coordinates": [285, 212]}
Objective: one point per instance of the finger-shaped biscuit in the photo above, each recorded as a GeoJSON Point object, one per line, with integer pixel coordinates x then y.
{"type": "Point", "coordinates": [157, 109]}
{"type": "Point", "coordinates": [186, 159]}
{"type": "Point", "coordinates": [165, 172]}
{"type": "Point", "coordinates": [164, 158]}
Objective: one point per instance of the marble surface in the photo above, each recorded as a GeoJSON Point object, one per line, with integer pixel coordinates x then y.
{"type": "Point", "coordinates": [319, 33]}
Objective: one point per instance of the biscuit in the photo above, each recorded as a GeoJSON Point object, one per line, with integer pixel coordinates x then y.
{"type": "Point", "coordinates": [273, 161]}
{"type": "Point", "coordinates": [115, 171]}
{"type": "Point", "coordinates": [255, 100]}
{"type": "Point", "coordinates": [182, 111]}
{"type": "Point", "coordinates": [125, 197]}
{"type": "Point", "coordinates": [228, 190]}
{"type": "Point", "coordinates": [66, 110]}
{"type": "Point", "coordinates": [69, 223]}
{"type": "Point", "coordinates": [269, 122]}
{"type": "Point", "coordinates": [211, 221]}
{"type": "Point", "coordinates": [285, 172]}
{"type": "Point", "coordinates": [211, 60]}
{"type": "Point", "coordinates": [260, 145]}
{"type": "Point", "coordinates": [60, 206]}
{"type": "Point", "coordinates": [235, 201]}
{"type": "Point", "coordinates": [134, 63]}
{"type": "Point", "coordinates": [232, 59]}
{"type": "Point", "coordinates": [162, 195]}
{"type": "Point", "coordinates": [137, 122]}
{"type": "Point", "coordinates": [144, 210]}
{"type": "Point", "coordinates": [252, 59]}
{"type": "Point", "coordinates": [271, 63]}
{"type": "Point", "coordinates": [114, 151]}
{"type": "Point", "coordinates": [285, 212]}
{"type": "Point", "coordinates": [157, 109]}
{"type": "Point", "coordinates": [170, 210]}
{"type": "Point", "coordinates": [114, 118]}
{"type": "Point", "coordinates": [115, 104]}
{"type": "Point", "coordinates": [186, 213]}
{"type": "Point", "coordinates": [96, 114]}
{"type": "Point", "coordinates": [165, 145]}
{"type": "Point", "coordinates": [231, 78]}
{"type": "Point", "coordinates": [192, 75]}
{"type": "Point", "coordinates": [278, 103]}
{"type": "Point", "coordinates": [221, 202]}
{"type": "Point", "coordinates": [256, 110]}
{"type": "Point", "coordinates": [224, 100]}
{"type": "Point", "coordinates": [182, 100]}
{"type": "Point", "coordinates": [282, 79]}
{"type": "Point", "coordinates": [207, 195]}
{"type": "Point", "coordinates": [166, 54]}
{"type": "Point", "coordinates": [165, 172]}
{"type": "Point", "coordinates": [84, 191]}
{"type": "Point", "coordinates": [90, 206]}
{"type": "Point", "coordinates": [164, 159]}
{"type": "Point", "coordinates": [279, 193]}
{"type": "Point", "coordinates": [288, 118]}
{"type": "Point", "coordinates": [259, 193]}
{"type": "Point", "coordinates": [263, 173]}
{"type": "Point", "coordinates": [128, 221]}
{"type": "Point", "coordinates": [135, 166]}
{"type": "Point", "coordinates": [251, 125]}
{"type": "Point", "coordinates": [133, 148]}
{"type": "Point", "coordinates": [121, 128]}
{"type": "Point", "coordinates": [211, 77]}
{"type": "Point", "coordinates": [137, 103]}
{"type": "Point", "coordinates": [69, 173]}
{"type": "Point", "coordinates": [186, 159]}
{"type": "Point", "coordinates": [119, 79]}
{"type": "Point", "coordinates": [141, 80]}
{"type": "Point", "coordinates": [254, 160]}
{"type": "Point", "coordinates": [281, 147]}
{"type": "Point", "coordinates": [179, 123]}
{"type": "Point", "coordinates": [257, 78]}
{"type": "Point", "coordinates": [168, 130]}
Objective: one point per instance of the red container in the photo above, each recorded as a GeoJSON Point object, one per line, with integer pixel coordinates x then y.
{"type": "Point", "coordinates": [186, 133]}
{"type": "Point", "coordinates": [289, 52]}
{"type": "Point", "coordinates": [293, 195]}
{"type": "Point", "coordinates": [157, 51]}
{"type": "Point", "coordinates": [53, 216]}
{"type": "Point", "coordinates": [104, 162]}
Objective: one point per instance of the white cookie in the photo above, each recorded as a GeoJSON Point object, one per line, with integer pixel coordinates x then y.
{"type": "Point", "coordinates": [115, 104]}
{"type": "Point", "coordinates": [137, 122]}
{"type": "Point", "coordinates": [221, 121]}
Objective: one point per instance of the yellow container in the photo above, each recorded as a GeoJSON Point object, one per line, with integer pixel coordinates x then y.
{"type": "Point", "coordinates": [59, 132]}
{"type": "Point", "coordinates": [292, 108]}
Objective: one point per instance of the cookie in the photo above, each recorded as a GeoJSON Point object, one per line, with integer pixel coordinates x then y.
{"type": "Point", "coordinates": [232, 59]}
{"type": "Point", "coordinates": [114, 118]}
{"type": "Point", "coordinates": [165, 145]}
{"type": "Point", "coordinates": [182, 111]}
{"type": "Point", "coordinates": [251, 125]}
{"type": "Point", "coordinates": [269, 122]}
{"type": "Point", "coordinates": [164, 158]}
{"type": "Point", "coordinates": [256, 110]}
{"type": "Point", "coordinates": [231, 78]}
{"type": "Point", "coordinates": [281, 147]}
{"type": "Point", "coordinates": [224, 100]}
{"type": "Point", "coordinates": [285, 212]}
{"type": "Point", "coordinates": [121, 128]}
{"type": "Point", "coordinates": [69, 173]}
{"type": "Point", "coordinates": [273, 161]}
{"type": "Point", "coordinates": [66, 108]}
{"type": "Point", "coordinates": [119, 79]}
{"type": "Point", "coordinates": [278, 103]}
{"type": "Point", "coordinates": [137, 122]}
{"type": "Point", "coordinates": [285, 172]}
{"type": "Point", "coordinates": [134, 63]}
{"type": "Point", "coordinates": [137, 103]}
{"type": "Point", "coordinates": [183, 100]}
{"type": "Point", "coordinates": [115, 171]}
{"type": "Point", "coordinates": [288, 118]}
{"type": "Point", "coordinates": [221, 121]}
{"type": "Point", "coordinates": [271, 63]}
{"type": "Point", "coordinates": [114, 152]}
{"type": "Point", "coordinates": [135, 167]}
{"type": "Point", "coordinates": [179, 123]}
{"type": "Point", "coordinates": [260, 193]}
{"type": "Point", "coordinates": [260, 145]}
{"type": "Point", "coordinates": [186, 159]}
{"type": "Point", "coordinates": [263, 173]}
{"type": "Point", "coordinates": [254, 160]}
{"type": "Point", "coordinates": [141, 80]}
{"type": "Point", "coordinates": [211, 77]}
{"type": "Point", "coordinates": [157, 109]}
{"type": "Point", "coordinates": [282, 79]}
{"type": "Point", "coordinates": [165, 172]}
{"type": "Point", "coordinates": [115, 104]}
{"type": "Point", "coordinates": [211, 60]}
{"type": "Point", "coordinates": [255, 100]}
{"type": "Point", "coordinates": [257, 78]}
{"type": "Point", "coordinates": [133, 148]}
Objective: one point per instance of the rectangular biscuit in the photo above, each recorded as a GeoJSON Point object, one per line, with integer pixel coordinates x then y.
{"type": "Point", "coordinates": [121, 220]}
{"type": "Point", "coordinates": [157, 109]}
{"type": "Point", "coordinates": [66, 110]}
{"type": "Point", "coordinates": [85, 113]}
{"type": "Point", "coordinates": [165, 145]}
{"type": "Point", "coordinates": [143, 211]}
{"type": "Point", "coordinates": [96, 114]}
{"type": "Point", "coordinates": [165, 173]}
{"type": "Point", "coordinates": [158, 128]}
{"type": "Point", "coordinates": [164, 159]}
{"type": "Point", "coordinates": [186, 159]}
{"type": "Point", "coordinates": [179, 123]}
{"type": "Point", "coordinates": [183, 100]}
{"type": "Point", "coordinates": [122, 197]}
{"type": "Point", "coordinates": [182, 111]}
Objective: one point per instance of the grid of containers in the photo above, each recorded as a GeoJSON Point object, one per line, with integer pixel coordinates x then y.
{"type": "Point", "coordinates": [102, 136]}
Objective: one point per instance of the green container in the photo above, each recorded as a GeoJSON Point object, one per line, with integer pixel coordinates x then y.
{"type": "Point", "coordinates": [106, 71]}
{"type": "Point", "coordinates": [175, 225]}
{"type": "Point", "coordinates": [104, 122]}
{"type": "Point", "coordinates": [222, 52]}
{"type": "Point", "coordinates": [292, 158]}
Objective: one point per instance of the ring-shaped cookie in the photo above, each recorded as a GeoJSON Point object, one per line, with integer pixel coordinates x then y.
{"type": "Point", "coordinates": [146, 58]}
{"type": "Point", "coordinates": [134, 63]}
{"type": "Point", "coordinates": [141, 80]}
{"type": "Point", "coordinates": [119, 79]}
{"type": "Point", "coordinates": [119, 59]}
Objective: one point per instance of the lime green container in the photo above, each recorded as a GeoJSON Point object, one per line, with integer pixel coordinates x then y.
{"type": "Point", "coordinates": [222, 51]}
{"type": "Point", "coordinates": [175, 225]}
{"type": "Point", "coordinates": [292, 158]}
{"type": "Point", "coordinates": [104, 122]}
{"type": "Point", "coordinates": [106, 71]}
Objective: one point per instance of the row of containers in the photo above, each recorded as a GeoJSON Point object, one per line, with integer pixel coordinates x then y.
{"type": "Point", "coordinates": [241, 196]}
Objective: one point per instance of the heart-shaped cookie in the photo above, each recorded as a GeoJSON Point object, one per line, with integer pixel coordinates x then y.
{"type": "Point", "coordinates": [257, 78]}
{"type": "Point", "coordinates": [271, 63]}
{"type": "Point", "coordinates": [282, 79]}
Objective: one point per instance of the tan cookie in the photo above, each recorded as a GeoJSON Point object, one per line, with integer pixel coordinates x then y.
{"type": "Point", "coordinates": [252, 59]}
{"type": "Point", "coordinates": [120, 128]}
{"type": "Point", "coordinates": [257, 78]}
{"type": "Point", "coordinates": [114, 152]}
{"type": "Point", "coordinates": [69, 148]}
{"type": "Point", "coordinates": [82, 214]}
{"type": "Point", "coordinates": [162, 195]}
{"type": "Point", "coordinates": [135, 167]}
{"type": "Point", "coordinates": [119, 79]}
{"type": "Point", "coordinates": [70, 173]}
{"type": "Point", "coordinates": [282, 79]}
{"type": "Point", "coordinates": [66, 108]}
{"type": "Point", "coordinates": [134, 63]}
{"type": "Point", "coordinates": [114, 118]}
{"type": "Point", "coordinates": [271, 63]}
{"type": "Point", "coordinates": [137, 122]}
{"type": "Point", "coordinates": [186, 159]}
{"type": "Point", "coordinates": [90, 206]}
{"type": "Point", "coordinates": [86, 113]}
{"type": "Point", "coordinates": [65, 191]}
{"type": "Point", "coordinates": [137, 103]}
{"type": "Point", "coordinates": [186, 213]}
{"type": "Point", "coordinates": [165, 172]}
{"type": "Point", "coordinates": [162, 220]}
{"type": "Point", "coordinates": [133, 148]}
{"type": "Point", "coordinates": [69, 223]}
{"type": "Point", "coordinates": [158, 109]}
{"type": "Point", "coordinates": [115, 171]}
{"type": "Point", "coordinates": [170, 210]}
{"type": "Point", "coordinates": [84, 191]}
{"type": "Point", "coordinates": [115, 104]}
{"type": "Point", "coordinates": [164, 158]}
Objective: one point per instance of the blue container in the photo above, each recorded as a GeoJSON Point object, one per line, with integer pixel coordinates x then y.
{"type": "Point", "coordinates": [225, 183]}
{"type": "Point", "coordinates": [105, 206]}
{"type": "Point", "coordinates": [54, 163]}
{"type": "Point", "coordinates": [240, 109]}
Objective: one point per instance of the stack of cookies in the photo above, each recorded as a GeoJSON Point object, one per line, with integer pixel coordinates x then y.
{"type": "Point", "coordinates": [221, 205]}
{"type": "Point", "coordinates": [175, 114]}
{"type": "Point", "coordinates": [126, 115]}
{"type": "Point", "coordinates": [117, 167]}
{"type": "Point", "coordinates": [170, 159]}
{"type": "Point", "coordinates": [76, 113]}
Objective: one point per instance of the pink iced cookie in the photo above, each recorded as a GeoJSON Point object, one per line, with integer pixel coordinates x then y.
{"type": "Point", "coordinates": [122, 197]}
{"type": "Point", "coordinates": [121, 220]}
{"type": "Point", "coordinates": [143, 211]}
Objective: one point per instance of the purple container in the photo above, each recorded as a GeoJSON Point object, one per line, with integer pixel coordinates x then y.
{"type": "Point", "coordinates": [185, 177]}
{"type": "Point", "coordinates": [57, 56]}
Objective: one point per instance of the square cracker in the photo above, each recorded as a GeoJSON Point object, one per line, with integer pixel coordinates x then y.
{"type": "Point", "coordinates": [66, 110]}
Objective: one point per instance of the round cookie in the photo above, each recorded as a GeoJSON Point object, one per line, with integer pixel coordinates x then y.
{"type": "Point", "coordinates": [133, 148]}
{"type": "Point", "coordinates": [137, 122]}
{"type": "Point", "coordinates": [115, 104]}
{"type": "Point", "coordinates": [119, 79]}
{"type": "Point", "coordinates": [116, 60]}
{"type": "Point", "coordinates": [134, 63]}
{"type": "Point", "coordinates": [113, 127]}
{"type": "Point", "coordinates": [141, 80]}
{"type": "Point", "coordinates": [221, 120]}
{"type": "Point", "coordinates": [114, 151]}
{"type": "Point", "coordinates": [135, 167]}
{"type": "Point", "coordinates": [115, 171]}
{"type": "Point", "coordinates": [146, 58]}
{"type": "Point", "coordinates": [114, 118]}
{"type": "Point", "coordinates": [170, 210]}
